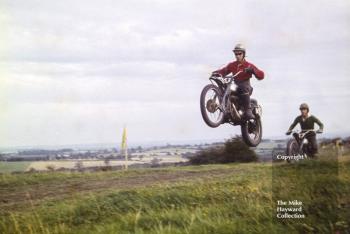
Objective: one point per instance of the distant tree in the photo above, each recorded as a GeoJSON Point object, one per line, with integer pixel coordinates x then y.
{"type": "Point", "coordinates": [132, 150]}
{"type": "Point", "coordinates": [67, 150]}
{"type": "Point", "coordinates": [155, 162]}
{"type": "Point", "coordinates": [188, 155]}
{"type": "Point", "coordinates": [107, 162]}
{"type": "Point", "coordinates": [79, 165]}
{"type": "Point", "coordinates": [107, 166]}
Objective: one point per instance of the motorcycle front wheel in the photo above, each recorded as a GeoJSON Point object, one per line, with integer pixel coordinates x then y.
{"type": "Point", "coordinates": [210, 102]}
{"type": "Point", "coordinates": [252, 132]}
{"type": "Point", "coordinates": [292, 147]}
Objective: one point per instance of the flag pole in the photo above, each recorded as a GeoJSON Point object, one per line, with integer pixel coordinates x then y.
{"type": "Point", "coordinates": [126, 159]}
{"type": "Point", "coordinates": [124, 148]}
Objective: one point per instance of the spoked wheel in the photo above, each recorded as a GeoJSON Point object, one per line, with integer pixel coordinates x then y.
{"type": "Point", "coordinates": [210, 106]}
{"type": "Point", "coordinates": [292, 148]}
{"type": "Point", "coordinates": [252, 132]}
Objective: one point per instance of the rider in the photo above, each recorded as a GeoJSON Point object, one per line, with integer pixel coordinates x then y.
{"type": "Point", "coordinates": [242, 81]}
{"type": "Point", "coordinates": [307, 122]}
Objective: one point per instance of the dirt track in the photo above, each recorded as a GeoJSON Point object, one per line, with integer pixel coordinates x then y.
{"type": "Point", "coordinates": [12, 198]}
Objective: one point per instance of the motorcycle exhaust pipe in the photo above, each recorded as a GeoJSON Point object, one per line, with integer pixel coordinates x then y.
{"type": "Point", "coordinates": [235, 115]}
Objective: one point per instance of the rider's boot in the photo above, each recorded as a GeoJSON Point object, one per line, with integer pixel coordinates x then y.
{"type": "Point", "coordinates": [248, 114]}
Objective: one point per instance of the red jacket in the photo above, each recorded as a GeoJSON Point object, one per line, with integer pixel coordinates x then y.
{"type": "Point", "coordinates": [236, 66]}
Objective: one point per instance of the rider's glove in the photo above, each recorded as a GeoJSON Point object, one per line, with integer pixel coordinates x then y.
{"type": "Point", "coordinates": [288, 132]}
{"type": "Point", "coordinates": [319, 131]}
{"type": "Point", "coordinates": [249, 70]}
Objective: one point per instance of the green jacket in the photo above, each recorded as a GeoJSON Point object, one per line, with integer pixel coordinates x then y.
{"type": "Point", "coordinates": [307, 124]}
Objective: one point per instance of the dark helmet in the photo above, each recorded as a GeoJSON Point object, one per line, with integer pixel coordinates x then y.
{"type": "Point", "coordinates": [239, 47]}
{"type": "Point", "coordinates": [304, 106]}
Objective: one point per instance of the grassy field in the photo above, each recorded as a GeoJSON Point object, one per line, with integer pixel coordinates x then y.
{"type": "Point", "coordinates": [7, 167]}
{"type": "Point", "coordinates": [233, 198]}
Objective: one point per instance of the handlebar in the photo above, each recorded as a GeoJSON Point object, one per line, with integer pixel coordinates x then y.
{"type": "Point", "coordinates": [304, 132]}
{"type": "Point", "coordinates": [307, 131]}
{"type": "Point", "coordinates": [225, 79]}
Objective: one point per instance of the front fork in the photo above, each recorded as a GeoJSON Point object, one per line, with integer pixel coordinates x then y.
{"type": "Point", "coordinates": [299, 141]}
{"type": "Point", "coordinates": [225, 98]}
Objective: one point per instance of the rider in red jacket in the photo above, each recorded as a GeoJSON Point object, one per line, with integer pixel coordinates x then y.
{"type": "Point", "coordinates": [243, 79]}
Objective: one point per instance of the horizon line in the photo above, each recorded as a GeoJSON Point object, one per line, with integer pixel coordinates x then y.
{"type": "Point", "coordinates": [152, 142]}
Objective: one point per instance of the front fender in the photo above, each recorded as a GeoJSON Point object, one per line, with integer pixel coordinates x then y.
{"type": "Point", "coordinates": [218, 83]}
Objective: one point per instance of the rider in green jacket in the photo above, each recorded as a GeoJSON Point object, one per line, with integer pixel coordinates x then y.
{"type": "Point", "coordinates": [307, 122]}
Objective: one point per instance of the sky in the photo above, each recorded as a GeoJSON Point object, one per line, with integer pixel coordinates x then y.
{"type": "Point", "coordinates": [76, 72]}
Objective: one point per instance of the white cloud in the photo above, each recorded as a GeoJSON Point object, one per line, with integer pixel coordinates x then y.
{"type": "Point", "coordinates": [76, 71]}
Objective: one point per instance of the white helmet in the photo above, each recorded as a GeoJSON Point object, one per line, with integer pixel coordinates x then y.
{"type": "Point", "coordinates": [239, 47]}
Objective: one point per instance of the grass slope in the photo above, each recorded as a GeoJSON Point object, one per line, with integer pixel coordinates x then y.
{"type": "Point", "coordinates": [233, 198]}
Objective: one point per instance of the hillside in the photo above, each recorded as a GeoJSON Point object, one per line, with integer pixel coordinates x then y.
{"type": "Point", "coordinates": [232, 198]}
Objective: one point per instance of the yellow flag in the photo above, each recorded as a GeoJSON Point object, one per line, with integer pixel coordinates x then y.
{"type": "Point", "coordinates": [123, 145]}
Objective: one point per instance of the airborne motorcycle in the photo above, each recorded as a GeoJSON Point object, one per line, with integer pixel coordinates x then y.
{"type": "Point", "coordinates": [220, 104]}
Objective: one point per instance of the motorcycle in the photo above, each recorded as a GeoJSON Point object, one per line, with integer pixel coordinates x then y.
{"type": "Point", "coordinates": [299, 144]}
{"type": "Point", "coordinates": [219, 104]}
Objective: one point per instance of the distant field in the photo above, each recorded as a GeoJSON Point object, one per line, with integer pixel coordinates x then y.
{"type": "Point", "coordinates": [70, 164]}
{"type": "Point", "coordinates": [7, 167]}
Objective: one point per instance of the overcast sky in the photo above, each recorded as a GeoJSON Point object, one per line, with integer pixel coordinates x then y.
{"type": "Point", "coordinates": [75, 72]}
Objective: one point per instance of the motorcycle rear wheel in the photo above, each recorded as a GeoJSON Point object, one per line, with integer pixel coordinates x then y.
{"type": "Point", "coordinates": [252, 132]}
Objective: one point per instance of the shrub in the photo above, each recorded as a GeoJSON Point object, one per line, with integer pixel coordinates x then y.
{"type": "Point", "coordinates": [31, 170]}
{"type": "Point", "coordinates": [79, 166]}
{"type": "Point", "coordinates": [50, 167]}
{"type": "Point", "coordinates": [234, 150]}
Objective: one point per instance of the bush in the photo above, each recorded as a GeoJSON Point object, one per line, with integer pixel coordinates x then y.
{"type": "Point", "coordinates": [234, 150]}
{"type": "Point", "coordinates": [31, 170]}
{"type": "Point", "coordinates": [50, 167]}
{"type": "Point", "coordinates": [79, 166]}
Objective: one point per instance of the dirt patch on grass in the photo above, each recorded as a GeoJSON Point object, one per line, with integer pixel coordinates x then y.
{"type": "Point", "coordinates": [25, 196]}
